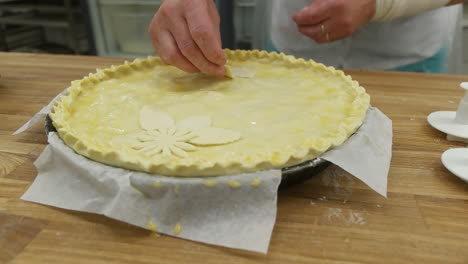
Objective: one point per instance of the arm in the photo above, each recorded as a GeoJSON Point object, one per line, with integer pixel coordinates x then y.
{"type": "Point", "coordinates": [330, 20]}
{"type": "Point", "coordinates": [391, 9]}
{"type": "Point", "coordinates": [186, 34]}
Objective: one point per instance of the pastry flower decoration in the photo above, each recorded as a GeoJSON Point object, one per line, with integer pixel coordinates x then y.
{"type": "Point", "coordinates": [162, 135]}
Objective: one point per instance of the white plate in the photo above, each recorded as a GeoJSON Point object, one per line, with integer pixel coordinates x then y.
{"type": "Point", "coordinates": [456, 161]}
{"type": "Point", "coordinates": [445, 121]}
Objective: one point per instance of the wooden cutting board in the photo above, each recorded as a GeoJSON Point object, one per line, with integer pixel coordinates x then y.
{"type": "Point", "coordinates": [331, 218]}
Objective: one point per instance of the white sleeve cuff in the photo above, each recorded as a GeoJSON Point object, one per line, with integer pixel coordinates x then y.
{"type": "Point", "coordinates": [386, 10]}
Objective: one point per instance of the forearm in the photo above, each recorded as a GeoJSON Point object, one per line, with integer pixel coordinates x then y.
{"type": "Point", "coordinates": [391, 9]}
{"type": "Point", "coordinates": [454, 2]}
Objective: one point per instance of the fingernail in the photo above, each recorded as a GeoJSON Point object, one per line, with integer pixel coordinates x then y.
{"type": "Point", "coordinates": [222, 59]}
{"type": "Point", "coordinates": [294, 17]}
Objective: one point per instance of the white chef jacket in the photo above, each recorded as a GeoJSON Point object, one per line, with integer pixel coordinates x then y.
{"type": "Point", "coordinates": [377, 45]}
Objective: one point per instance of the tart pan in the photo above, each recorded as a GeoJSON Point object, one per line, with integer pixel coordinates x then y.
{"type": "Point", "coordinates": [289, 176]}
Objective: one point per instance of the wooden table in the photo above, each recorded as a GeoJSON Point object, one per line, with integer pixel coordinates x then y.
{"type": "Point", "coordinates": [332, 218]}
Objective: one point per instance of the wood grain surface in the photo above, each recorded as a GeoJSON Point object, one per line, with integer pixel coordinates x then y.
{"type": "Point", "coordinates": [331, 218]}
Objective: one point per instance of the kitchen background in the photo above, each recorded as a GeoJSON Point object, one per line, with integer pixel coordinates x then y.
{"type": "Point", "coordinates": [119, 27]}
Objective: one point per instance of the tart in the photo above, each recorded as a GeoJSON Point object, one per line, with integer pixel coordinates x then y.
{"type": "Point", "coordinates": [271, 111]}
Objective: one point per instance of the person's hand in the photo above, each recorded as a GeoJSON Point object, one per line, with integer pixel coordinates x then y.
{"type": "Point", "coordinates": [186, 34]}
{"type": "Point", "coordinates": [330, 20]}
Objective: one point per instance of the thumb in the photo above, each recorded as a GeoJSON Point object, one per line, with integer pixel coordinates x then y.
{"type": "Point", "coordinates": [301, 14]}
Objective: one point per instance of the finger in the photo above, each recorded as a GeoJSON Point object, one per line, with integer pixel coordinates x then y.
{"type": "Point", "coordinates": [167, 49]}
{"type": "Point", "coordinates": [335, 33]}
{"type": "Point", "coordinates": [318, 11]}
{"type": "Point", "coordinates": [204, 30]}
{"type": "Point", "coordinates": [166, 46]}
{"type": "Point", "coordinates": [328, 31]}
{"type": "Point", "coordinates": [192, 52]}
{"type": "Point", "coordinates": [330, 37]}
{"type": "Point", "coordinates": [153, 27]}
{"type": "Point", "coordinates": [213, 11]}
{"type": "Point", "coordinates": [215, 16]}
{"type": "Point", "coordinates": [315, 31]}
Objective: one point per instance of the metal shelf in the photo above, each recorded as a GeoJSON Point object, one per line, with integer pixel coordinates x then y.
{"type": "Point", "coordinates": [63, 14]}
{"type": "Point", "coordinates": [21, 36]}
{"type": "Point", "coordinates": [35, 20]}
{"type": "Point", "coordinates": [40, 8]}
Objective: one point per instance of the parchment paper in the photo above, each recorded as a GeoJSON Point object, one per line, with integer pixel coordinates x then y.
{"type": "Point", "coordinates": [237, 211]}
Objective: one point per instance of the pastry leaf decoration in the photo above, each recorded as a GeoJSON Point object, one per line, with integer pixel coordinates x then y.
{"type": "Point", "coordinates": [238, 72]}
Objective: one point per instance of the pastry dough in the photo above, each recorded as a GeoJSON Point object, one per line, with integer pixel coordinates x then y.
{"type": "Point", "coordinates": [274, 111]}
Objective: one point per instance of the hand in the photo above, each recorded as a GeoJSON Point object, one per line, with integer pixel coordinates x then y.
{"type": "Point", "coordinates": [330, 20]}
{"type": "Point", "coordinates": [186, 34]}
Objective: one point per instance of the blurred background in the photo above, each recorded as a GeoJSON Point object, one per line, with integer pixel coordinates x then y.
{"type": "Point", "coordinates": [118, 28]}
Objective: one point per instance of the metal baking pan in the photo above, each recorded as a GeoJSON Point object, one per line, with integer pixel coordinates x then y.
{"type": "Point", "coordinates": [290, 175]}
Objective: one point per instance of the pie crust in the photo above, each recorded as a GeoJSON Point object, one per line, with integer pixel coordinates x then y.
{"type": "Point", "coordinates": [273, 111]}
